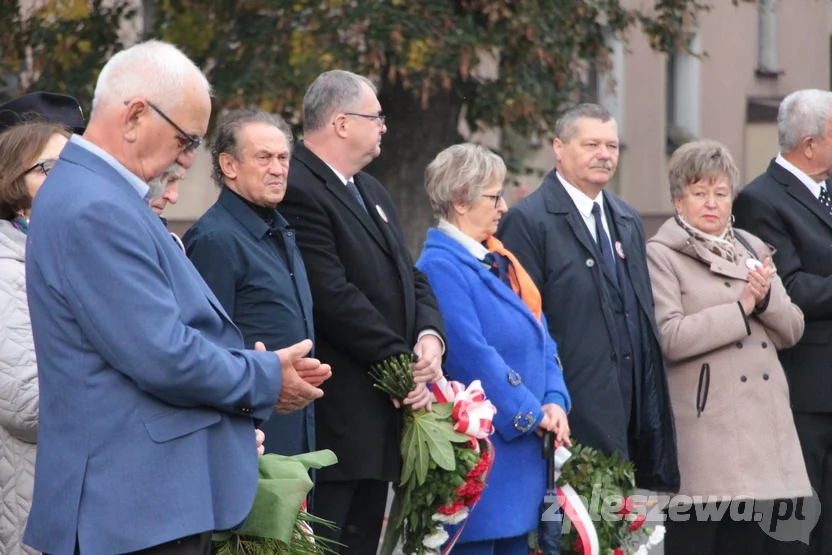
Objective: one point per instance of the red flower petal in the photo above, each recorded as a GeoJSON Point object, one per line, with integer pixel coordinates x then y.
{"type": "Point", "coordinates": [637, 523]}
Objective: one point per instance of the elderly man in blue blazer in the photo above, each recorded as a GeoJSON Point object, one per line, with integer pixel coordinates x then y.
{"type": "Point", "coordinates": [496, 334]}
{"type": "Point", "coordinates": [148, 400]}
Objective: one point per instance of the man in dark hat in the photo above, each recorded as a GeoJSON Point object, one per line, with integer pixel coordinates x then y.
{"type": "Point", "coordinates": [44, 106]}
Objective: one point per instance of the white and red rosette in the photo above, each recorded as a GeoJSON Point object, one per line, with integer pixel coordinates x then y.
{"type": "Point", "coordinates": [473, 414]}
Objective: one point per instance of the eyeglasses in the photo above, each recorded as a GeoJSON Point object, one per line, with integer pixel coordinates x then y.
{"type": "Point", "coordinates": [379, 117]}
{"type": "Point", "coordinates": [44, 165]}
{"type": "Point", "coordinates": [496, 198]}
{"type": "Point", "coordinates": [191, 142]}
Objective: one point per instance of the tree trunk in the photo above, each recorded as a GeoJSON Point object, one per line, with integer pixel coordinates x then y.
{"type": "Point", "coordinates": [414, 137]}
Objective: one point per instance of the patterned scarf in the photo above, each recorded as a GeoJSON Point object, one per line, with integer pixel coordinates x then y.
{"type": "Point", "coordinates": [722, 246]}
{"type": "Point", "coordinates": [521, 283]}
{"type": "Point", "coordinates": [21, 223]}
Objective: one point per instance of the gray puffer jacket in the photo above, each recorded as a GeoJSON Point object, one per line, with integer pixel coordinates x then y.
{"type": "Point", "coordinates": [18, 394]}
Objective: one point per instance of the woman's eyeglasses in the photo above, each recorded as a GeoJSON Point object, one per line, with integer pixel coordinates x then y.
{"type": "Point", "coordinates": [44, 165]}
{"type": "Point", "coordinates": [496, 198]}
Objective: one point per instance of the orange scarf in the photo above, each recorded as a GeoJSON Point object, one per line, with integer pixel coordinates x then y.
{"type": "Point", "coordinates": [521, 283]}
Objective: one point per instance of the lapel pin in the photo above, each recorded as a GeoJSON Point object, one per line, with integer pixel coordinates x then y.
{"type": "Point", "coordinates": [619, 250]}
{"type": "Point", "coordinates": [381, 213]}
{"type": "Point", "coordinates": [753, 264]}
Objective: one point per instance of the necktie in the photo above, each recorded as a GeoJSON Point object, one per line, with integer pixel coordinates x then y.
{"type": "Point", "coordinates": [498, 265]}
{"type": "Point", "coordinates": [603, 239]}
{"type": "Point", "coordinates": [825, 198]}
{"type": "Point", "coordinates": [354, 190]}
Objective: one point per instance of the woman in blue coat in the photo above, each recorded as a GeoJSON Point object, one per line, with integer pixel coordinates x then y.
{"type": "Point", "coordinates": [497, 334]}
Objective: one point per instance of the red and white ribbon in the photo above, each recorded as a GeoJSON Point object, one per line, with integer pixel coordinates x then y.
{"type": "Point", "coordinates": [473, 413]}
{"type": "Point", "coordinates": [574, 508]}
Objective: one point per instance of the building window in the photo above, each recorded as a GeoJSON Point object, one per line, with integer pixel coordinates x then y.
{"type": "Point", "coordinates": [684, 96]}
{"type": "Point", "coordinates": [767, 65]}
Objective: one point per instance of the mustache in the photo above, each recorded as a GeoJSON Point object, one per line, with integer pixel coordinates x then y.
{"type": "Point", "coordinates": [606, 164]}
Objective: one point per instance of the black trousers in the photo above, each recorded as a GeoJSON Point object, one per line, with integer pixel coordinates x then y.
{"type": "Point", "coordinates": [713, 537]}
{"type": "Point", "coordinates": [357, 508]}
{"type": "Point", "coordinates": [198, 544]}
{"type": "Point", "coordinates": [815, 433]}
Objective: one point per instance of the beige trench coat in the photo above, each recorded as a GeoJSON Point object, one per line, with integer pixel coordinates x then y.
{"type": "Point", "coordinates": [736, 435]}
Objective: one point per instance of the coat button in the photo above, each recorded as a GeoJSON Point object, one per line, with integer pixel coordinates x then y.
{"type": "Point", "coordinates": [765, 376]}
{"type": "Point", "coordinates": [727, 284]}
{"type": "Point", "coordinates": [613, 357]}
{"type": "Point", "coordinates": [739, 344]}
{"type": "Point", "coordinates": [743, 379]}
{"type": "Point", "coordinates": [289, 233]}
{"type": "Point", "coordinates": [590, 263]}
{"type": "Point", "coordinates": [765, 344]}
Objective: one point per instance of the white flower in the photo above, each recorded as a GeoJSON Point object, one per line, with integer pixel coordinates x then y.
{"type": "Point", "coordinates": [435, 540]}
{"type": "Point", "coordinates": [641, 550]}
{"type": "Point", "coordinates": [455, 518]}
{"type": "Point", "coordinates": [657, 536]}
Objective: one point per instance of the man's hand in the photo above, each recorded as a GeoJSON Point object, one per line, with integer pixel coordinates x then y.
{"type": "Point", "coordinates": [260, 438]}
{"type": "Point", "coordinates": [428, 367]}
{"type": "Point", "coordinates": [295, 392]}
{"type": "Point", "coordinates": [419, 398]}
{"type": "Point", "coordinates": [312, 371]}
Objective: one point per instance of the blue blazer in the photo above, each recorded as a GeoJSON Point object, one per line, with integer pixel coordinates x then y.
{"type": "Point", "coordinates": [494, 337]}
{"type": "Point", "coordinates": [147, 398]}
{"type": "Point", "coordinates": [258, 275]}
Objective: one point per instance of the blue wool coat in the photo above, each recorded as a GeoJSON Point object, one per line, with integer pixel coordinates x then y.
{"type": "Point", "coordinates": [492, 336]}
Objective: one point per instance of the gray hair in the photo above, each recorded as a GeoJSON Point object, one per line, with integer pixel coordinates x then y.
{"type": "Point", "coordinates": [458, 175]}
{"type": "Point", "coordinates": [226, 135]}
{"type": "Point", "coordinates": [566, 126]}
{"type": "Point", "coordinates": [698, 160]}
{"type": "Point", "coordinates": [331, 91]}
{"type": "Point", "coordinates": [802, 114]}
{"type": "Point", "coordinates": [154, 69]}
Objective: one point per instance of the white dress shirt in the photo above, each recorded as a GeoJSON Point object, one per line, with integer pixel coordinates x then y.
{"type": "Point", "coordinates": [584, 205]}
{"type": "Point", "coordinates": [813, 186]}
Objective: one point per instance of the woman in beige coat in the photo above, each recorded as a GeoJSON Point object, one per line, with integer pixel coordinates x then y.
{"type": "Point", "coordinates": [722, 314]}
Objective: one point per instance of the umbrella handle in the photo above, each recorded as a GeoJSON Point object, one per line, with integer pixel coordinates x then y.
{"type": "Point", "coordinates": [549, 456]}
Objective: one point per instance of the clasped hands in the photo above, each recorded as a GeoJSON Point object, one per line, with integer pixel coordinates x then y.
{"type": "Point", "coordinates": [301, 376]}
{"type": "Point", "coordinates": [758, 285]}
{"type": "Point", "coordinates": [426, 370]}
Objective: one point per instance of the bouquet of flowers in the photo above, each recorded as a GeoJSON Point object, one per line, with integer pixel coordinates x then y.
{"type": "Point", "coordinates": [278, 523]}
{"type": "Point", "coordinates": [446, 458]}
{"type": "Point", "coordinates": [595, 493]}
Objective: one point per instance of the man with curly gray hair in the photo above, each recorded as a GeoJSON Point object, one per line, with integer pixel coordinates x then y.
{"type": "Point", "coordinates": [246, 252]}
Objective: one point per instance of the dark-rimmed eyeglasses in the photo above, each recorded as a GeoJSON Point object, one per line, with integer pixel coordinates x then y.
{"type": "Point", "coordinates": [496, 198]}
{"type": "Point", "coordinates": [191, 142]}
{"type": "Point", "coordinates": [378, 117]}
{"type": "Point", "coordinates": [44, 165]}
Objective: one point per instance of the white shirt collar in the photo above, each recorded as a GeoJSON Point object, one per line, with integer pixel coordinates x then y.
{"type": "Point", "coordinates": [457, 235]}
{"type": "Point", "coordinates": [813, 186]}
{"type": "Point", "coordinates": [338, 174]}
{"type": "Point", "coordinates": [581, 200]}
{"type": "Point", "coordinates": [134, 180]}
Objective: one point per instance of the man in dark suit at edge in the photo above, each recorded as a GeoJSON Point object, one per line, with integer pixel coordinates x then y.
{"type": "Point", "coordinates": [369, 301]}
{"type": "Point", "coordinates": [789, 207]}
